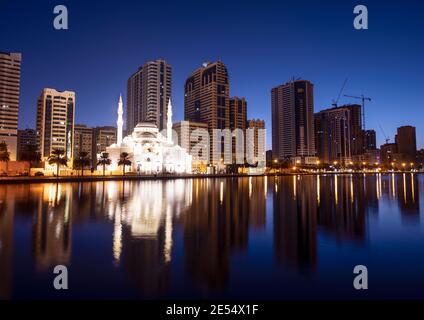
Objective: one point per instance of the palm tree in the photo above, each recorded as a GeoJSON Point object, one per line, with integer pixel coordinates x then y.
{"type": "Point", "coordinates": [4, 154]}
{"type": "Point", "coordinates": [104, 161]}
{"type": "Point", "coordinates": [124, 161]}
{"type": "Point", "coordinates": [31, 155]}
{"type": "Point", "coordinates": [58, 158]}
{"type": "Point", "coordinates": [81, 161]}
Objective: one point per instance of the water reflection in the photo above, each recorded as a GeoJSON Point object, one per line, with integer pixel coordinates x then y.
{"type": "Point", "coordinates": [162, 231]}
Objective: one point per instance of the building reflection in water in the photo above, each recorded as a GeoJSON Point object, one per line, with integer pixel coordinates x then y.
{"type": "Point", "coordinates": [7, 212]}
{"type": "Point", "coordinates": [143, 215]}
{"type": "Point", "coordinates": [215, 218]}
{"type": "Point", "coordinates": [52, 227]}
{"type": "Point", "coordinates": [408, 199]}
{"type": "Point", "coordinates": [295, 215]}
{"type": "Point", "coordinates": [216, 227]}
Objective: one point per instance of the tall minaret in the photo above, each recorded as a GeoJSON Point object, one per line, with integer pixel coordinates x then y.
{"type": "Point", "coordinates": [169, 122]}
{"type": "Point", "coordinates": [119, 122]}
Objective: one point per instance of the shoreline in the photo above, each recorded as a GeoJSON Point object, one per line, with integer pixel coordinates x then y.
{"type": "Point", "coordinates": [64, 179]}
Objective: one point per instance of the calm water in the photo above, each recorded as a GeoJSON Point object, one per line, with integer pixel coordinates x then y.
{"type": "Point", "coordinates": [259, 238]}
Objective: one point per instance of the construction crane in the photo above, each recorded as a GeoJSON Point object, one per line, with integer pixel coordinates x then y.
{"type": "Point", "coordinates": [363, 99]}
{"type": "Point", "coordinates": [384, 134]}
{"type": "Point", "coordinates": [335, 102]}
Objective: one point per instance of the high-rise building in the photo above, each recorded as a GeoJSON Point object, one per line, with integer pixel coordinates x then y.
{"type": "Point", "coordinates": [27, 139]}
{"type": "Point", "coordinates": [206, 100]}
{"type": "Point", "coordinates": [238, 120]}
{"type": "Point", "coordinates": [406, 143]}
{"type": "Point", "coordinates": [259, 147]}
{"type": "Point", "coordinates": [83, 139]}
{"type": "Point", "coordinates": [189, 140]}
{"type": "Point", "coordinates": [293, 134]}
{"type": "Point", "coordinates": [102, 137]}
{"type": "Point", "coordinates": [238, 113]}
{"type": "Point", "coordinates": [370, 140]}
{"type": "Point", "coordinates": [148, 94]}
{"type": "Point", "coordinates": [356, 132]}
{"type": "Point", "coordinates": [55, 122]}
{"type": "Point", "coordinates": [333, 139]}
{"type": "Point", "coordinates": [10, 84]}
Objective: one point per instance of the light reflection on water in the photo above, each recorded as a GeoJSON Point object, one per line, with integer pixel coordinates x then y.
{"type": "Point", "coordinates": [255, 237]}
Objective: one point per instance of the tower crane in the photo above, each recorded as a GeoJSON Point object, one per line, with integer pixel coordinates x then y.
{"type": "Point", "coordinates": [363, 99]}
{"type": "Point", "coordinates": [335, 102]}
{"type": "Point", "coordinates": [384, 134]}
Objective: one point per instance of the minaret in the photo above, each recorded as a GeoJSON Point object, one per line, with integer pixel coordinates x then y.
{"type": "Point", "coordinates": [169, 122]}
{"type": "Point", "coordinates": [119, 122]}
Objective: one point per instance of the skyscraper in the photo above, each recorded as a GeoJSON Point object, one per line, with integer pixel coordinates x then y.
{"type": "Point", "coordinates": [293, 134]}
{"type": "Point", "coordinates": [148, 94]}
{"type": "Point", "coordinates": [406, 143]}
{"type": "Point", "coordinates": [206, 100]}
{"type": "Point", "coordinates": [10, 83]}
{"type": "Point", "coordinates": [258, 127]}
{"type": "Point", "coordinates": [238, 113]}
{"type": "Point", "coordinates": [333, 139]}
{"type": "Point", "coordinates": [55, 122]}
{"type": "Point", "coordinates": [356, 132]}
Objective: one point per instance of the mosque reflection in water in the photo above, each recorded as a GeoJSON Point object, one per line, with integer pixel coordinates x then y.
{"type": "Point", "coordinates": [202, 223]}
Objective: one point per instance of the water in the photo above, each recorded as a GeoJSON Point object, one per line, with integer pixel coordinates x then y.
{"type": "Point", "coordinates": [293, 237]}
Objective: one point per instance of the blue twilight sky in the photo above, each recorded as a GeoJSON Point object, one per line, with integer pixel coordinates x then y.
{"type": "Point", "coordinates": [263, 43]}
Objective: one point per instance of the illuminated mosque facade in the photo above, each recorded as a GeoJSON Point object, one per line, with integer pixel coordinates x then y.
{"type": "Point", "coordinates": [150, 152]}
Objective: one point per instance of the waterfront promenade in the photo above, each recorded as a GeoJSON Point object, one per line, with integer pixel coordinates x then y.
{"type": "Point", "coordinates": [93, 178]}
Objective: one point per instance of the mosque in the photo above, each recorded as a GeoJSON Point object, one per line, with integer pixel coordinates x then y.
{"type": "Point", "coordinates": [150, 152]}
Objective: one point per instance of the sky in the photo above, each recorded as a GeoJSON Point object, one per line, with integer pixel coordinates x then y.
{"type": "Point", "coordinates": [262, 43]}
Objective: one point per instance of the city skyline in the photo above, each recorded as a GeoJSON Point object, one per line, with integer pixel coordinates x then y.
{"type": "Point", "coordinates": [367, 55]}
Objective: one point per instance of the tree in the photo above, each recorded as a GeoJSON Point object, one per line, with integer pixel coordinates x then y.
{"type": "Point", "coordinates": [104, 161]}
{"type": "Point", "coordinates": [4, 154]}
{"type": "Point", "coordinates": [81, 161]}
{"type": "Point", "coordinates": [58, 158]}
{"type": "Point", "coordinates": [31, 155]}
{"type": "Point", "coordinates": [124, 161]}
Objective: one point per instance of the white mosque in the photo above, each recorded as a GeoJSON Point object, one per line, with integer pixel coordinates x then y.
{"type": "Point", "coordinates": [149, 151]}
